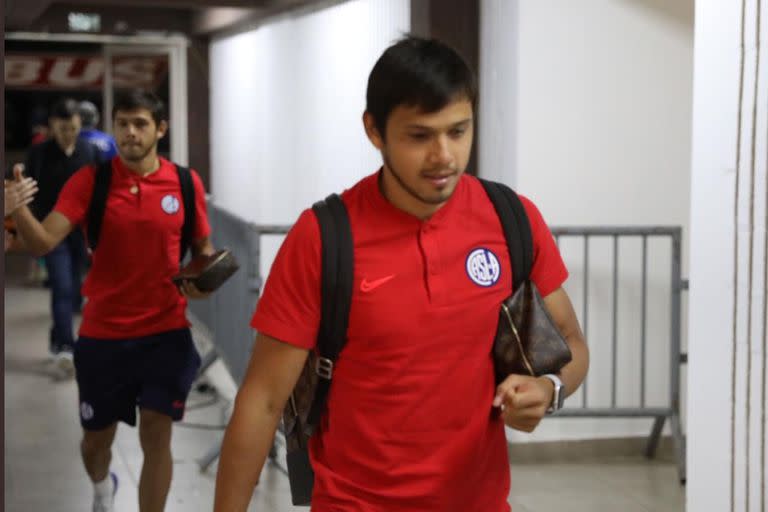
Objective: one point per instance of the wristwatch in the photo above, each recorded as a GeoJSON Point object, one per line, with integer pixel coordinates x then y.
{"type": "Point", "coordinates": [558, 397]}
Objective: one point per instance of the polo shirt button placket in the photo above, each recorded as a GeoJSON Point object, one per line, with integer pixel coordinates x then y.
{"type": "Point", "coordinates": [432, 260]}
{"type": "Point", "coordinates": [136, 193]}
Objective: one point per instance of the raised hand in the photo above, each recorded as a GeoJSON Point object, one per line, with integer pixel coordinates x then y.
{"type": "Point", "coordinates": [20, 191]}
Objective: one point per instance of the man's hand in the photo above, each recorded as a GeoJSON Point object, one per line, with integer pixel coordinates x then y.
{"type": "Point", "coordinates": [190, 291]}
{"type": "Point", "coordinates": [20, 191]}
{"type": "Point", "coordinates": [524, 401]}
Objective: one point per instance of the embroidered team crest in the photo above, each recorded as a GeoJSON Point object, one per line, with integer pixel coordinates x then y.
{"type": "Point", "coordinates": [86, 411]}
{"type": "Point", "coordinates": [170, 204]}
{"type": "Point", "coordinates": [483, 267]}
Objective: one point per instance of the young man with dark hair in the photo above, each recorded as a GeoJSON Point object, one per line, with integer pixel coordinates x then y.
{"type": "Point", "coordinates": [414, 421]}
{"type": "Point", "coordinates": [51, 163]}
{"type": "Point", "coordinates": [135, 347]}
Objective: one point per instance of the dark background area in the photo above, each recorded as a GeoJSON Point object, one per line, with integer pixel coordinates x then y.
{"type": "Point", "coordinates": [454, 21]}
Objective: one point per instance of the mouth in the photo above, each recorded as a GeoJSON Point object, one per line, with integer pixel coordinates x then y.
{"type": "Point", "coordinates": [439, 179]}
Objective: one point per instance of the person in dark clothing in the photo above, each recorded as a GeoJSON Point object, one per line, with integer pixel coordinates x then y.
{"type": "Point", "coordinates": [51, 163]}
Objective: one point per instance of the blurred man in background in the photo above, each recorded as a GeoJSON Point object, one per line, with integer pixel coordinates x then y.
{"type": "Point", "coordinates": [105, 143]}
{"type": "Point", "coordinates": [51, 163]}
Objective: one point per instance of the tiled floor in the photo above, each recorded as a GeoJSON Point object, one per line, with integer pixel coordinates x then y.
{"type": "Point", "coordinates": [43, 470]}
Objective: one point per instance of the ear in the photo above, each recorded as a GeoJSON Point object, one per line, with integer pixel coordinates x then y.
{"type": "Point", "coordinates": [372, 131]}
{"type": "Point", "coordinates": [162, 129]}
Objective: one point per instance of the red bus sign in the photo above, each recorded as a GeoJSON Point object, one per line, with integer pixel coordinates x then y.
{"type": "Point", "coordinates": [45, 71]}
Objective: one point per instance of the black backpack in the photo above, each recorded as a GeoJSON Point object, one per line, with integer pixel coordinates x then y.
{"type": "Point", "coordinates": [98, 205]}
{"type": "Point", "coordinates": [336, 297]}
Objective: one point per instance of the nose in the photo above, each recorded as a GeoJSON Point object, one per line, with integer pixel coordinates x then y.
{"type": "Point", "coordinates": [440, 151]}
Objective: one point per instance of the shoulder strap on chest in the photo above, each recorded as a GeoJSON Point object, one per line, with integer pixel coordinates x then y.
{"type": "Point", "coordinates": [517, 229]}
{"type": "Point", "coordinates": [190, 211]}
{"type": "Point", "coordinates": [337, 270]}
{"type": "Point", "coordinates": [98, 204]}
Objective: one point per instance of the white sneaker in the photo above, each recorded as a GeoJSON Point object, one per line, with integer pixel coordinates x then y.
{"type": "Point", "coordinates": [65, 362]}
{"type": "Point", "coordinates": [106, 502]}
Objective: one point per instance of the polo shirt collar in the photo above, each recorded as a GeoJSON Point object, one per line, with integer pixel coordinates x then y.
{"type": "Point", "coordinates": [124, 172]}
{"type": "Point", "coordinates": [384, 207]}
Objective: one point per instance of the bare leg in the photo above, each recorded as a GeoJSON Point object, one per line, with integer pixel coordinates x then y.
{"type": "Point", "coordinates": [96, 449]}
{"type": "Point", "coordinates": [155, 437]}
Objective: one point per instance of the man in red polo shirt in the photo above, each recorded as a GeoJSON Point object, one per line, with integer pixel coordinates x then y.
{"type": "Point", "coordinates": [409, 424]}
{"type": "Point", "coordinates": [135, 347]}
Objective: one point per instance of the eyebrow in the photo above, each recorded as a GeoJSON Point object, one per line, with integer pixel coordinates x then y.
{"type": "Point", "coordinates": [131, 119]}
{"type": "Point", "coordinates": [431, 129]}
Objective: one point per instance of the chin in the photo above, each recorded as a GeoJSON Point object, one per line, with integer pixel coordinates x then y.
{"type": "Point", "coordinates": [131, 157]}
{"type": "Point", "coordinates": [436, 198]}
{"type": "Point", "coordinates": [444, 192]}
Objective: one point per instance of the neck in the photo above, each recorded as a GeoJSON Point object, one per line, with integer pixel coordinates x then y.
{"type": "Point", "coordinates": [145, 166]}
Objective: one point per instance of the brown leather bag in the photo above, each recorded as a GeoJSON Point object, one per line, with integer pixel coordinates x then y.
{"type": "Point", "coordinates": [208, 272]}
{"type": "Point", "coordinates": [527, 340]}
{"type": "Point", "coordinates": [296, 425]}
{"type": "Point", "coordinates": [298, 429]}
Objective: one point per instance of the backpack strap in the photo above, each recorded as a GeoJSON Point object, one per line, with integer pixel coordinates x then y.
{"type": "Point", "coordinates": [190, 210]}
{"type": "Point", "coordinates": [517, 229]}
{"type": "Point", "coordinates": [98, 203]}
{"type": "Point", "coordinates": [336, 294]}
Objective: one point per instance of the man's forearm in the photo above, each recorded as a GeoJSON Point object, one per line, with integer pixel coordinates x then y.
{"type": "Point", "coordinates": [573, 373]}
{"type": "Point", "coordinates": [246, 444]}
{"type": "Point", "coordinates": [35, 237]}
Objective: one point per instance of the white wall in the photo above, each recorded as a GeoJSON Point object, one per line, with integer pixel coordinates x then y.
{"type": "Point", "coordinates": [728, 304]}
{"type": "Point", "coordinates": [586, 109]}
{"type": "Point", "coordinates": [286, 110]}
{"type": "Point", "coordinates": [286, 105]}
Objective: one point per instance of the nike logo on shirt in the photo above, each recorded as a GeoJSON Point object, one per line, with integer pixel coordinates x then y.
{"type": "Point", "coordinates": [368, 286]}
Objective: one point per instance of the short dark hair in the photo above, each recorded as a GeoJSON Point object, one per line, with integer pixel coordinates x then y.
{"type": "Point", "coordinates": [426, 73]}
{"type": "Point", "coordinates": [65, 108]}
{"type": "Point", "coordinates": [140, 98]}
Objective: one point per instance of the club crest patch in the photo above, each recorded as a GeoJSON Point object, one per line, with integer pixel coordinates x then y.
{"type": "Point", "coordinates": [86, 411]}
{"type": "Point", "coordinates": [170, 204]}
{"type": "Point", "coordinates": [483, 267]}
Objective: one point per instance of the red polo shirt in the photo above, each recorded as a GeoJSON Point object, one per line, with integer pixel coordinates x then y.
{"type": "Point", "coordinates": [409, 424]}
{"type": "Point", "coordinates": [129, 288]}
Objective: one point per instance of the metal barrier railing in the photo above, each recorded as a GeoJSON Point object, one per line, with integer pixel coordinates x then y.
{"type": "Point", "coordinates": [228, 313]}
{"type": "Point", "coordinates": [677, 285]}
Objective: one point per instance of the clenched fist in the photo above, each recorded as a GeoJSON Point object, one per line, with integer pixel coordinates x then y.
{"type": "Point", "coordinates": [524, 400]}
